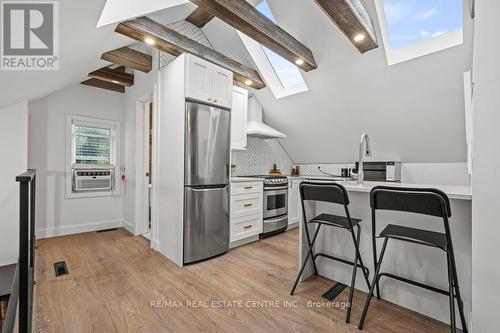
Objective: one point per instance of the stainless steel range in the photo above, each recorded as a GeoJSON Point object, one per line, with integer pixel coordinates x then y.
{"type": "Point", "coordinates": [275, 205]}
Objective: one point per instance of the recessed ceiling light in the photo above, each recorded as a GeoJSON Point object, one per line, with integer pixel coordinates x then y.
{"type": "Point", "coordinates": [149, 41]}
{"type": "Point", "coordinates": [299, 62]}
{"type": "Point", "coordinates": [359, 37]}
{"type": "Point", "coordinates": [248, 82]}
{"type": "Point", "coordinates": [115, 82]}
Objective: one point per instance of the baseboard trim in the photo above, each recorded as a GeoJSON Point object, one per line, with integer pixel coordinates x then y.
{"type": "Point", "coordinates": [129, 227]}
{"type": "Point", "coordinates": [243, 241]}
{"type": "Point", "coordinates": [78, 228]}
{"type": "Point", "coordinates": [292, 226]}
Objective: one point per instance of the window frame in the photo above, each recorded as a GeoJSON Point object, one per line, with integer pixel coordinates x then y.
{"type": "Point", "coordinates": [115, 155]}
{"type": "Point", "coordinates": [395, 56]}
{"type": "Point", "coordinates": [267, 70]}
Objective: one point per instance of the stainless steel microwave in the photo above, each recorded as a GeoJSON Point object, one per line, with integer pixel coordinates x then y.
{"type": "Point", "coordinates": [388, 171]}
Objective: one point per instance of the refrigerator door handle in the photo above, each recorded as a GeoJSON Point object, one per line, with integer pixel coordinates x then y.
{"type": "Point", "coordinates": [208, 189]}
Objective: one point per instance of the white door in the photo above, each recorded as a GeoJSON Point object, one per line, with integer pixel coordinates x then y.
{"type": "Point", "coordinates": [199, 79]}
{"type": "Point", "coordinates": [294, 205]}
{"type": "Point", "coordinates": [239, 112]}
{"type": "Point", "coordinates": [222, 86]}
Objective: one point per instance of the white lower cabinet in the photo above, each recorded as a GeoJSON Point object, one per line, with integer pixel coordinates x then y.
{"type": "Point", "coordinates": [294, 204]}
{"type": "Point", "coordinates": [246, 210]}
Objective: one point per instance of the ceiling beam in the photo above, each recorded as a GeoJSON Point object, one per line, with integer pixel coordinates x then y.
{"type": "Point", "coordinates": [116, 76]}
{"type": "Point", "coordinates": [104, 85]}
{"type": "Point", "coordinates": [125, 56]}
{"type": "Point", "coordinates": [244, 17]}
{"type": "Point", "coordinates": [353, 20]}
{"type": "Point", "coordinates": [174, 43]}
{"type": "Point", "coordinates": [199, 17]}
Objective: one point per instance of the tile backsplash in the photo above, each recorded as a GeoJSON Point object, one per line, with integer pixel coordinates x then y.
{"type": "Point", "coordinates": [260, 156]}
{"type": "Point", "coordinates": [311, 169]}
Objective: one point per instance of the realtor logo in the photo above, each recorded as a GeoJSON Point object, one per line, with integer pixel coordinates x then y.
{"type": "Point", "coordinates": [30, 35]}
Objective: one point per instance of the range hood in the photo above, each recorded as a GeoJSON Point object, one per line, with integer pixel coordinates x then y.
{"type": "Point", "coordinates": [255, 126]}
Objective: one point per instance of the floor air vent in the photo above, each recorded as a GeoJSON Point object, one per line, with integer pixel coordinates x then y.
{"type": "Point", "coordinates": [106, 230]}
{"type": "Point", "coordinates": [332, 293]}
{"type": "Point", "coordinates": [60, 268]}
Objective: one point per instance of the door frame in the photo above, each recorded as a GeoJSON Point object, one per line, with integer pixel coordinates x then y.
{"type": "Point", "coordinates": [141, 162]}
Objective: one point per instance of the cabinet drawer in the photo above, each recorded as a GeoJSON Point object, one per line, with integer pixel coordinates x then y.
{"type": "Point", "coordinates": [245, 227]}
{"type": "Point", "coordinates": [246, 188]}
{"type": "Point", "coordinates": [244, 205]}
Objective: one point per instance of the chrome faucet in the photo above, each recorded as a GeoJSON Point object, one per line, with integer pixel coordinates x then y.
{"type": "Point", "coordinates": [366, 152]}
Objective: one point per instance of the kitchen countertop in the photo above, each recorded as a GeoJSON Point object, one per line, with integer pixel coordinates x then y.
{"type": "Point", "coordinates": [453, 191]}
{"type": "Point", "coordinates": [245, 179]}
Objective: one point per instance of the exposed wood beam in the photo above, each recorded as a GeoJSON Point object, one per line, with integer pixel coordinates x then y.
{"type": "Point", "coordinates": [174, 43]}
{"type": "Point", "coordinates": [114, 76]}
{"type": "Point", "coordinates": [353, 20]}
{"type": "Point", "coordinates": [128, 57]}
{"type": "Point", "coordinates": [244, 17]}
{"type": "Point", "coordinates": [104, 85]}
{"type": "Point", "coordinates": [199, 17]}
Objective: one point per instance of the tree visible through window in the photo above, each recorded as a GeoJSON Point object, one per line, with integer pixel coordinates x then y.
{"type": "Point", "coordinates": [92, 145]}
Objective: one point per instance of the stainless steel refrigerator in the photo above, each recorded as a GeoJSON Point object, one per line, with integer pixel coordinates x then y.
{"type": "Point", "coordinates": [206, 181]}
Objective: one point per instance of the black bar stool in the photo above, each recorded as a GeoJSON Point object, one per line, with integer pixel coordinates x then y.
{"type": "Point", "coordinates": [430, 202]}
{"type": "Point", "coordinates": [332, 193]}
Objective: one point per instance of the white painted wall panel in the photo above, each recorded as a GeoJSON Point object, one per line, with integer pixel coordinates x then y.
{"type": "Point", "coordinates": [485, 216]}
{"type": "Point", "coordinates": [14, 149]}
{"type": "Point", "coordinates": [47, 136]}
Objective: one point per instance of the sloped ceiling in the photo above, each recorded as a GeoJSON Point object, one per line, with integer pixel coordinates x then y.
{"type": "Point", "coordinates": [413, 111]}
{"type": "Point", "coordinates": [81, 45]}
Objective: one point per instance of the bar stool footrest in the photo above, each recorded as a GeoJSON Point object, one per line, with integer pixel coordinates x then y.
{"type": "Point", "coordinates": [415, 283]}
{"type": "Point", "coordinates": [347, 262]}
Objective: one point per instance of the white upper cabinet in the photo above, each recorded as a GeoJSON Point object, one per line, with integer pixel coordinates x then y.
{"type": "Point", "coordinates": [222, 86]}
{"type": "Point", "coordinates": [199, 79]}
{"type": "Point", "coordinates": [207, 82]}
{"type": "Point", "coordinates": [239, 111]}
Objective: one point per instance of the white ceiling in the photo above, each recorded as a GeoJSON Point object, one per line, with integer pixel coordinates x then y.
{"type": "Point", "coordinates": [119, 10]}
{"type": "Point", "coordinates": [413, 111]}
{"type": "Point", "coordinates": [81, 45]}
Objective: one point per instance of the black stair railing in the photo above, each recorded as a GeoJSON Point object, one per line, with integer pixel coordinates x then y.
{"type": "Point", "coordinates": [21, 297]}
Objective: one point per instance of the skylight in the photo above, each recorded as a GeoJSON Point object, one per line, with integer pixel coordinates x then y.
{"type": "Point", "coordinates": [413, 28]}
{"type": "Point", "coordinates": [287, 72]}
{"type": "Point", "coordinates": [282, 77]}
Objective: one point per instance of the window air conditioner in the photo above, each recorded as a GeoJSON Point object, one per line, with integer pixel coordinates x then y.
{"type": "Point", "coordinates": [93, 179]}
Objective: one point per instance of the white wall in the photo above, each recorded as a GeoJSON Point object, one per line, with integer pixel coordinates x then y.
{"type": "Point", "coordinates": [435, 173]}
{"type": "Point", "coordinates": [14, 148]}
{"type": "Point", "coordinates": [47, 136]}
{"type": "Point", "coordinates": [413, 111]}
{"type": "Point", "coordinates": [485, 215]}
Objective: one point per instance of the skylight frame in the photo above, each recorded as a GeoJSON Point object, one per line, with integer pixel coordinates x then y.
{"type": "Point", "coordinates": [419, 49]}
{"type": "Point", "coordinates": [267, 70]}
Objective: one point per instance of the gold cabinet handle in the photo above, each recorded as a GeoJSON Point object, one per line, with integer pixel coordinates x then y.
{"type": "Point", "coordinates": [248, 187]}
{"type": "Point", "coordinates": [210, 98]}
{"type": "Point", "coordinates": [215, 100]}
{"type": "Point", "coordinates": [247, 205]}
{"type": "Point", "coordinates": [247, 226]}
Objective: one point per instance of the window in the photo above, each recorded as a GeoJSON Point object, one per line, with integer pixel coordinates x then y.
{"type": "Point", "coordinates": [92, 149]}
{"type": "Point", "coordinates": [282, 77]}
{"type": "Point", "coordinates": [92, 145]}
{"type": "Point", "coordinates": [414, 28]}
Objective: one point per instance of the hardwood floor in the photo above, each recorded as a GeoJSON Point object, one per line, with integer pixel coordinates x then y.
{"type": "Point", "coordinates": [117, 284]}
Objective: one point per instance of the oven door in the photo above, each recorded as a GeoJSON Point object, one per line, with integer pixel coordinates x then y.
{"type": "Point", "coordinates": [275, 201]}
